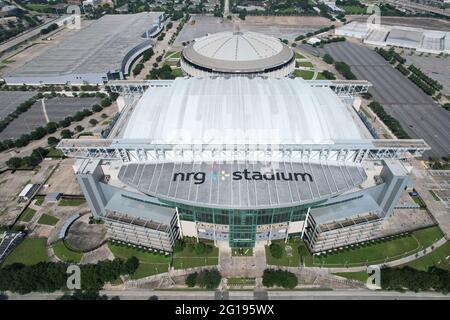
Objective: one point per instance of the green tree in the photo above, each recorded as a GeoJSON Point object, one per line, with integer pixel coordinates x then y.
{"type": "Point", "coordinates": [93, 122]}
{"type": "Point", "coordinates": [276, 250]}
{"type": "Point", "coordinates": [52, 141]}
{"type": "Point", "coordinates": [191, 280]}
{"type": "Point", "coordinates": [209, 279]}
{"type": "Point", "coordinates": [14, 162]}
{"type": "Point", "coordinates": [66, 134]}
{"type": "Point", "coordinates": [328, 59]}
{"type": "Point", "coordinates": [130, 266]}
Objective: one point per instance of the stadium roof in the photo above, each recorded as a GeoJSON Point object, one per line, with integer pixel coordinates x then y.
{"type": "Point", "coordinates": [242, 185]}
{"type": "Point", "coordinates": [241, 110]}
{"type": "Point", "coordinates": [98, 48]}
{"type": "Point", "coordinates": [238, 51]}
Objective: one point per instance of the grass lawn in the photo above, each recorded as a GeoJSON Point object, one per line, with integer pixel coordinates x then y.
{"type": "Point", "coordinates": [190, 259]}
{"type": "Point", "coordinates": [173, 55]}
{"type": "Point", "coordinates": [54, 153]}
{"type": "Point", "coordinates": [320, 76]}
{"type": "Point", "coordinates": [381, 250]}
{"type": "Point", "coordinates": [71, 202]}
{"type": "Point", "coordinates": [354, 9]}
{"type": "Point", "coordinates": [439, 258]}
{"type": "Point", "coordinates": [27, 215]}
{"type": "Point", "coordinates": [65, 254]}
{"type": "Point", "coordinates": [419, 201]}
{"type": "Point", "coordinates": [247, 252]}
{"type": "Point", "coordinates": [241, 281]}
{"type": "Point", "coordinates": [149, 263]}
{"type": "Point", "coordinates": [40, 7]}
{"type": "Point", "coordinates": [292, 260]}
{"type": "Point", "coordinates": [299, 56]}
{"type": "Point", "coordinates": [177, 72]}
{"type": "Point", "coordinates": [360, 276]}
{"type": "Point", "coordinates": [48, 220]}
{"type": "Point", "coordinates": [39, 200]}
{"type": "Point", "coordinates": [30, 251]}
{"type": "Point", "coordinates": [306, 64]}
{"type": "Point", "coordinates": [305, 74]}
{"type": "Point", "coordinates": [434, 195]}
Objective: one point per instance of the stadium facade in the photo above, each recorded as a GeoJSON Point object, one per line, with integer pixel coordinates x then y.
{"type": "Point", "coordinates": [237, 53]}
{"type": "Point", "coordinates": [103, 50]}
{"type": "Point", "coordinates": [242, 160]}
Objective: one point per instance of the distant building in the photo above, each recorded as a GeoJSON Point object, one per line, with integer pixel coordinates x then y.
{"type": "Point", "coordinates": [28, 191]}
{"type": "Point", "coordinates": [102, 51]}
{"type": "Point", "coordinates": [53, 197]}
{"type": "Point", "coordinates": [238, 53]}
{"type": "Point", "coordinates": [422, 40]}
{"type": "Point", "coordinates": [9, 10]}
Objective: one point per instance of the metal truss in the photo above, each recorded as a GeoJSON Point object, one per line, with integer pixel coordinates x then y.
{"type": "Point", "coordinates": [142, 150]}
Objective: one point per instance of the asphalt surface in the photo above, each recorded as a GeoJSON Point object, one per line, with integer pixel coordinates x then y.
{"type": "Point", "coordinates": [357, 294]}
{"type": "Point", "coordinates": [417, 112]}
{"type": "Point", "coordinates": [56, 109]}
{"type": "Point", "coordinates": [10, 100]}
{"type": "Point", "coordinates": [437, 68]}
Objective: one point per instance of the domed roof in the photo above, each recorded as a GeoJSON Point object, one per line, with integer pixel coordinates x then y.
{"type": "Point", "coordinates": [238, 46]}
{"type": "Point", "coordinates": [237, 52]}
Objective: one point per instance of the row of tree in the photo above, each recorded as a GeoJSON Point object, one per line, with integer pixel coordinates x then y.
{"type": "Point", "coordinates": [51, 127]}
{"type": "Point", "coordinates": [407, 278]}
{"type": "Point", "coordinates": [391, 122]}
{"type": "Point", "coordinates": [37, 155]}
{"type": "Point", "coordinates": [345, 70]}
{"type": "Point", "coordinates": [52, 276]}
{"type": "Point", "coordinates": [310, 34]}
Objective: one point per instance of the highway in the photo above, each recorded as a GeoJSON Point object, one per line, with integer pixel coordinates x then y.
{"type": "Point", "coordinates": [5, 46]}
{"type": "Point", "coordinates": [418, 7]}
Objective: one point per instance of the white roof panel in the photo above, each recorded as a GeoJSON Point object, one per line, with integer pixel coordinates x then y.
{"type": "Point", "coordinates": [241, 110]}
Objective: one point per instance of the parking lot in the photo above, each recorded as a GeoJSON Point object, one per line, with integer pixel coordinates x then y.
{"type": "Point", "coordinates": [436, 68]}
{"type": "Point", "coordinates": [279, 27]}
{"type": "Point", "coordinates": [417, 112]}
{"type": "Point", "coordinates": [10, 100]}
{"type": "Point", "coordinates": [41, 113]}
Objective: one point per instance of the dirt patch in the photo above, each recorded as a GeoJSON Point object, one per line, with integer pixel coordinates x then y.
{"type": "Point", "coordinates": [84, 237]}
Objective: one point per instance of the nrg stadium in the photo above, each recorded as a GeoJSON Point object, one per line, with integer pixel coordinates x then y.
{"type": "Point", "coordinates": [242, 160]}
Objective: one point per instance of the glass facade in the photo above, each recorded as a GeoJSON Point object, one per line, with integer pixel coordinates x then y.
{"type": "Point", "coordinates": [242, 223]}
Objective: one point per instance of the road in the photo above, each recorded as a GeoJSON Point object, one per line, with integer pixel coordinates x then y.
{"type": "Point", "coordinates": [418, 7]}
{"type": "Point", "coordinates": [250, 295]}
{"type": "Point", "coordinates": [25, 36]}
